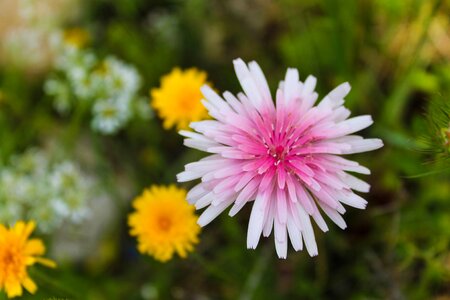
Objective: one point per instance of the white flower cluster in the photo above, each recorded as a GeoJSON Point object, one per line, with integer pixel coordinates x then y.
{"type": "Point", "coordinates": [34, 187]}
{"type": "Point", "coordinates": [108, 86]}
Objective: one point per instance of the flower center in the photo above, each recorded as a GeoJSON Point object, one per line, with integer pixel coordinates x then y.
{"type": "Point", "coordinates": [186, 102]}
{"type": "Point", "coordinates": [109, 112]}
{"type": "Point", "coordinates": [278, 153]}
{"type": "Point", "coordinates": [8, 258]}
{"type": "Point", "coordinates": [164, 223]}
{"type": "Point", "coordinates": [10, 262]}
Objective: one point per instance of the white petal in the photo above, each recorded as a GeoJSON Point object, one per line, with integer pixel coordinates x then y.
{"type": "Point", "coordinates": [247, 83]}
{"type": "Point", "coordinates": [187, 176]}
{"type": "Point", "coordinates": [195, 193]}
{"type": "Point", "coordinates": [319, 220]}
{"type": "Point", "coordinates": [364, 146]}
{"type": "Point", "coordinates": [357, 169]}
{"type": "Point", "coordinates": [225, 184]}
{"type": "Point", "coordinates": [212, 212]}
{"type": "Point", "coordinates": [227, 171]}
{"type": "Point", "coordinates": [330, 103]}
{"type": "Point", "coordinates": [355, 124]}
{"type": "Point", "coordinates": [197, 141]}
{"type": "Point", "coordinates": [269, 218]}
{"type": "Point", "coordinates": [248, 192]}
{"type": "Point", "coordinates": [237, 207]}
{"type": "Point", "coordinates": [354, 200]}
{"type": "Point", "coordinates": [304, 198]}
{"type": "Point", "coordinates": [205, 200]}
{"type": "Point", "coordinates": [260, 80]}
{"type": "Point", "coordinates": [205, 126]}
{"type": "Point", "coordinates": [255, 224]}
{"type": "Point", "coordinates": [340, 114]}
{"type": "Point", "coordinates": [295, 235]}
{"type": "Point", "coordinates": [340, 91]}
{"type": "Point", "coordinates": [340, 208]}
{"type": "Point", "coordinates": [204, 166]}
{"type": "Point", "coordinates": [240, 69]}
{"type": "Point", "coordinates": [244, 180]}
{"type": "Point", "coordinates": [333, 215]}
{"type": "Point", "coordinates": [193, 135]}
{"type": "Point", "coordinates": [234, 102]}
{"type": "Point", "coordinates": [199, 145]}
{"type": "Point", "coordinates": [280, 239]}
{"type": "Point", "coordinates": [215, 99]}
{"type": "Point", "coordinates": [336, 97]}
{"type": "Point", "coordinates": [290, 84]}
{"type": "Point", "coordinates": [309, 85]}
{"type": "Point", "coordinates": [250, 89]}
{"type": "Point", "coordinates": [308, 232]}
{"type": "Point", "coordinates": [281, 206]}
{"type": "Point", "coordinates": [355, 183]}
{"type": "Point", "coordinates": [246, 195]}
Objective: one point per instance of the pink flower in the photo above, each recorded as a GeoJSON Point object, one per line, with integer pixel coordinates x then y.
{"type": "Point", "coordinates": [284, 157]}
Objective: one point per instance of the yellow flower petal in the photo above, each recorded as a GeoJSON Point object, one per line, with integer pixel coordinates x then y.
{"type": "Point", "coordinates": [46, 262]}
{"type": "Point", "coordinates": [13, 288]}
{"type": "Point", "coordinates": [29, 228]}
{"type": "Point", "coordinates": [18, 228]}
{"type": "Point", "coordinates": [29, 285]}
{"type": "Point", "coordinates": [34, 247]}
{"type": "Point", "coordinates": [29, 260]}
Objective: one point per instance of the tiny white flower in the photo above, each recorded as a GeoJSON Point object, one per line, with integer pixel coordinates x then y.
{"type": "Point", "coordinates": [110, 115]}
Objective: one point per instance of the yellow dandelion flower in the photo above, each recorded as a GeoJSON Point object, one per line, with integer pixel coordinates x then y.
{"type": "Point", "coordinates": [177, 101]}
{"type": "Point", "coordinates": [17, 253]}
{"type": "Point", "coordinates": [164, 222]}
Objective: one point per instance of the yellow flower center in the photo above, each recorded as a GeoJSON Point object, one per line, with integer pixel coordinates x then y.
{"type": "Point", "coordinates": [186, 103]}
{"type": "Point", "coordinates": [109, 112]}
{"type": "Point", "coordinates": [164, 223]}
{"type": "Point", "coordinates": [11, 262]}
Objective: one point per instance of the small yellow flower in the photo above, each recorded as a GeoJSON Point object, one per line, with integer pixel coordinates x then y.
{"type": "Point", "coordinates": [17, 253]}
{"type": "Point", "coordinates": [76, 37]}
{"type": "Point", "coordinates": [164, 222]}
{"type": "Point", "coordinates": [177, 101]}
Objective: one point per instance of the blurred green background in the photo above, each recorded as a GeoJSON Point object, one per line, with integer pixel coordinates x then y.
{"type": "Point", "coordinates": [394, 53]}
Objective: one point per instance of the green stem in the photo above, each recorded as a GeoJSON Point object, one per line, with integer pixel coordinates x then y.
{"type": "Point", "coordinates": [256, 274]}
{"type": "Point", "coordinates": [43, 278]}
{"type": "Point", "coordinates": [75, 124]}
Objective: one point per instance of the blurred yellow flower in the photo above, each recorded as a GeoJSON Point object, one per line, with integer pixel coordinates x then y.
{"type": "Point", "coordinates": [177, 101]}
{"type": "Point", "coordinates": [164, 222]}
{"type": "Point", "coordinates": [76, 37]}
{"type": "Point", "coordinates": [17, 253]}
